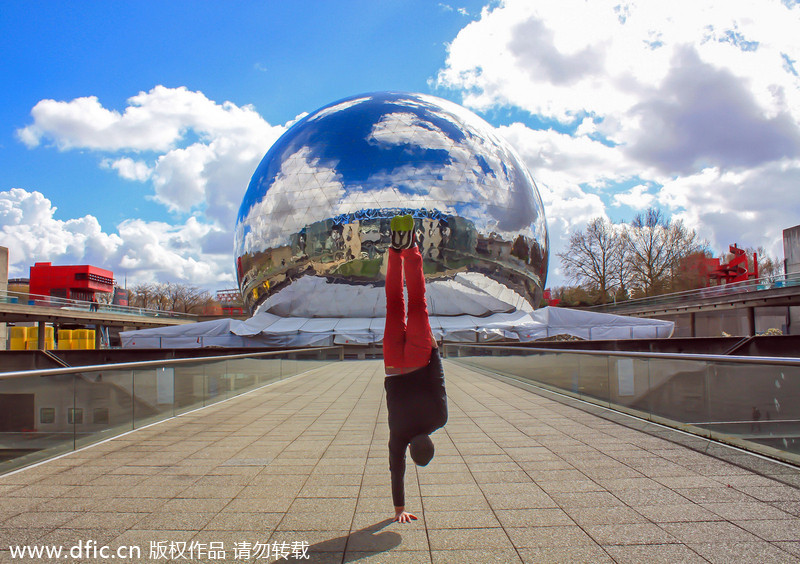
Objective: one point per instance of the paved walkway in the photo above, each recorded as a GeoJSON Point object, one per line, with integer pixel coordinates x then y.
{"type": "Point", "coordinates": [517, 477]}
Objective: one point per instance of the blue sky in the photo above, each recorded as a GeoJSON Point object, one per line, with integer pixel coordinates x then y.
{"type": "Point", "coordinates": [128, 132]}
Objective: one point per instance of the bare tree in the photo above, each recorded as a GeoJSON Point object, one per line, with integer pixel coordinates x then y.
{"type": "Point", "coordinates": [767, 265]}
{"type": "Point", "coordinates": [170, 297]}
{"type": "Point", "coordinates": [655, 246]}
{"type": "Point", "coordinates": [144, 296]}
{"type": "Point", "coordinates": [593, 258]}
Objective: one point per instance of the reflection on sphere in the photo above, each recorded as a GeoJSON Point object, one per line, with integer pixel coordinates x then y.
{"type": "Point", "coordinates": [313, 227]}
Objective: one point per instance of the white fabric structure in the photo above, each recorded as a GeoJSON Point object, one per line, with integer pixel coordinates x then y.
{"type": "Point", "coordinates": [466, 293]}
{"type": "Point", "coordinates": [270, 330]}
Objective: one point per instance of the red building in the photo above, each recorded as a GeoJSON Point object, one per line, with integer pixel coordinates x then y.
{"type": "Point", "coordinates": [73, 282]}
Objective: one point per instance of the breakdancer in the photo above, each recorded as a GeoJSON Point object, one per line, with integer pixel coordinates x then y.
{"type": "Point", "coordinates": [415, 392]}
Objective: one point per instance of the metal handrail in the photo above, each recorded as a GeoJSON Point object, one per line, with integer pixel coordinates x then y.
{"type": "Point", "coordinates": [150, 363]}
{"type": "Point", "coordinates": [55, 301]}
{"type": "Point", "coordinates": [744, 286]}
{"type": "Point", "coordinates": [771, 360]}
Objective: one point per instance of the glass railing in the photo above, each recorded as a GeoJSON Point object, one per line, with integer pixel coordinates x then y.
{"type": "Point", "coordinates": [44, 413]}
{"type": "Point", "coordinates": [749, 402]}
{"type": "Point", "coordinates": [9, 297]}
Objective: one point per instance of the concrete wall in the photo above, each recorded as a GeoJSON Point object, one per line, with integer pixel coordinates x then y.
{"type": "Point", "coordinates": [732, 322]}
{"type": "Point", "coordinates": [791, 249]}
{"type": "Point", "coordinates": [791, 253]}
{"type": "Point", "coordinates": [3, 288]}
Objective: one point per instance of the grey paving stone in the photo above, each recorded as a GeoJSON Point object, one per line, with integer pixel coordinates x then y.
{"type": "Point", "coordinates": [543, 517]}
{"type": "Point", "coordinates": [773, 530]}
{"type": "Point", "coordinates": [98, 520]}
{"type": "Point", "coordinates": [510, 466]}
{"type": "Point", "coordinates": [654, 554]}
{"type": "Point", "coordinates": [685, 512]}
{"type": "Point", "coordinates": [23, 536]}
{"type": "Point", "coordinates": [392, 537]}
{"type": "Point", "coordinates": [329, 491]}
{"type": "Point", "coordinates": [466, 519]}
{"type": "Point", "coordinates": [770, 493]}
{"type": "Point", "coordinates": [393, 556]}
{"type": "Point", "coordinates": [323, 505]}
{"type": "Point", "coordinates": [742, 553]}
{"type": "Point", "coordinates": [562, 486]}
{"type": "Point", "coordinates": [708, 531]}
{"type": "Point", "coordinates": [529, 500]}
{"type": "Point", "coordinates": [191, 521]}
{"type": "Point", "coordinates": [792, 548]}
{"type": "Point", "coordinates": [629, 533]}
{"type": "Point", "coordinates": [184, 505]}
{"type": "Point", "coordinates": [144, 537]}
{"type": "Point", "coordinates": [469, 539]}
{"type": "Point", "coordinates": [559, 535]}
{"type": "Point", "coordinates": [70, 537]}
{"type": "Point", "coordinates": [40, 520]}
{"type": "Point", "coordinates": [746, 511]}
{"type": "Point", "coordinates": [233, 521]}
{"type": "Point", "coordinates": [604, 515]}
{"type": "Point", "coordinates": [650, 496]}
{"type": "Point", "coordinates": [456, 503]}
{"type": "Point", "coordinates": [333, 541]}
{"type": "Point", "coordinates": [720, 494]}
{"type": "Point", "coordinates": [509, 488]}
{"type": "Point", "coordinates": [582, 554]}
{"type": "Point", "coordinates": [430, 490]}
{"type": "Point", "coordinates": [586, 499]}
{"type": "Point", "coordinates": [476, 556]}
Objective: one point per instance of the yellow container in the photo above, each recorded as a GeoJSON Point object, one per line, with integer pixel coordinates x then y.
{"type": "Point", "coordinates": [19, 333]}
{"type": "Point", "coordinates": [33, 332]}
{"type": "Point", "coordinates": [31, 345]}
{"type": "Point", "coordinates": [83, 344]}
{"type": "Point", "coordinates": [17, 344]}
{"type": "Point", "coordinates": [49, 333]}
{"type": "Point", "coordinates": [64, 339]}
{"type": "Point", "coordinates": [50, 344]}
{"type": "Point", "coordinates": [81, 334]}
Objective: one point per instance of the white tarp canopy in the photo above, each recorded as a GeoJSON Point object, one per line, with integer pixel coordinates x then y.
{"type": "Point", "coordinates": [466, 293]}
{"type": "Point", "coordinates": [270, 330]}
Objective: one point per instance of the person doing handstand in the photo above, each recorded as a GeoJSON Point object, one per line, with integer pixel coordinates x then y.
{"type": "Point", "coordinates": [414, 383]}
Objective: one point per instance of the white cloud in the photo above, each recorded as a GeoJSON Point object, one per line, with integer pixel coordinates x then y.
{"type": "Point", "coordinates": [751, 207]}
{"type": "Point", "coordinates": [210, 173]}
{"type": "Point", "coordinates": [32, 234]}
{"type": "Point", "coordinates": [573, 159]}
{"type": "Point", "coordinates": [142, 251]}
{"type": "Point", "coordinates": [698, 101]}
{"type": "Point", "coordinates": [681, 84]}
{"type": "Point", "coordinates": [129, 169]}
{"type": "Point", "coordinates": [638, 198]}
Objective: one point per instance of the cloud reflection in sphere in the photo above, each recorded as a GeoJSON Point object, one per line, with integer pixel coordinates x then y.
{"type": "Point", "coordinates": [313, 228]}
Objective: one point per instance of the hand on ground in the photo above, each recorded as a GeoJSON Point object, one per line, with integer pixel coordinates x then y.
{"type": "Point", "coordinates": [402, 516]}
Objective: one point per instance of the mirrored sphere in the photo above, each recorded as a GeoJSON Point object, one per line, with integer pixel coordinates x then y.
{"type": "Point", "coordinates": [313, 228]}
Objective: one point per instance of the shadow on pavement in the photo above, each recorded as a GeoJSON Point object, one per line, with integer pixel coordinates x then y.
{"type": "Point", "coordinates": [368, 541]}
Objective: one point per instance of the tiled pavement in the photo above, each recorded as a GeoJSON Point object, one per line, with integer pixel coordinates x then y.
{"type": "Point", "coordinates": [517, 477]}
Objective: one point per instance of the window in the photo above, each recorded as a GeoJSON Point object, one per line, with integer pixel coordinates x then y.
{"type": "Point", "coordinates": [100, 415]}
{"type": "Point", "coordinates": [75, 416]}
{"type": "Point", "coordinates": [47, 415]}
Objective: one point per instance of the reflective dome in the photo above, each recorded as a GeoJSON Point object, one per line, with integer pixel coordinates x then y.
{"type": "Point", "coordinates": [313, 227]}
